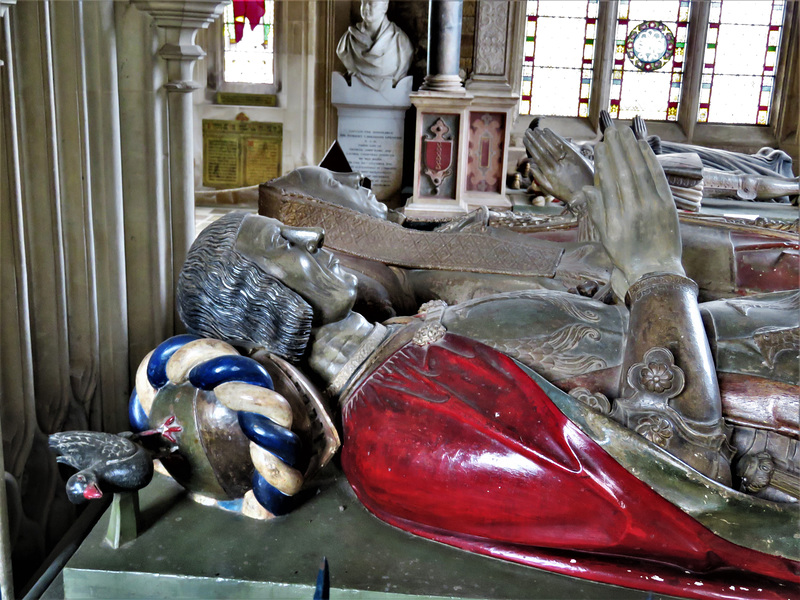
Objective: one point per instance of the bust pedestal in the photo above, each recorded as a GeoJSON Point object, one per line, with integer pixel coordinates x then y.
{"type": "Point", "coordinates": [371, 129]}
{"type": "Point", "coordinates": [461, 151]}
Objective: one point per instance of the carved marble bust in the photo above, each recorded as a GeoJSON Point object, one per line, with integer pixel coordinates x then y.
{"type": "Point", "coordinates": [375, 50]}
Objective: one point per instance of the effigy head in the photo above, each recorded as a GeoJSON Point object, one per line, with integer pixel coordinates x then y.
{"type": "Point", "coordinates": [343, 189]}
{"type": "Point", "coordinates": [252, 281]}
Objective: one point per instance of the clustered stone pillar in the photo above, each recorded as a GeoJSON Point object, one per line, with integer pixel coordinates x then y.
{"type": "Point", "coordinates": [444, 46]}
{"type": "Point", "coordinates": [6, 573]}
{"type": "Point", "coordinates": [180, 22]}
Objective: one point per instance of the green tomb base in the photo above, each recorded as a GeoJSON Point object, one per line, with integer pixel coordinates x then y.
{"type": "Point", "coordinates": [189, 550]}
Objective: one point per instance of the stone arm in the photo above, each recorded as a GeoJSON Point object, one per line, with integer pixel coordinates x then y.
{"type": "Point", "coordinates": [669, 389]}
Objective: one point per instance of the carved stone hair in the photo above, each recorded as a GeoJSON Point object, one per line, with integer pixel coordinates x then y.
{"type": "Point", "coordinates": [223, 294]}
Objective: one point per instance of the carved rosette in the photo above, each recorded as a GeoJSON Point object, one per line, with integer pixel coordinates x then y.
{"type": "Point", "coordinates": [656, 429]}
{"type": "Point", "coordinates": [657, 375]}
{"type": "Point", "coordinates": [596, 401]}
{"type": "Point", "coordinates": [654, 381]}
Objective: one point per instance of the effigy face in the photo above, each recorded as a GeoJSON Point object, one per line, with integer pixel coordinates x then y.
{"type": "Point", "coordinates": [342, 189]}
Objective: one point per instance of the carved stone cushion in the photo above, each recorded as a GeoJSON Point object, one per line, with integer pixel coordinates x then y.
{"type": "Point", "coordinates": [367, 237]}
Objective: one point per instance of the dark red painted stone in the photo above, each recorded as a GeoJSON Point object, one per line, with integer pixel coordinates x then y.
{"type": "Point", "coordinates": [765, 265]}
{"type": "Point", "coordinates": [454, 442]}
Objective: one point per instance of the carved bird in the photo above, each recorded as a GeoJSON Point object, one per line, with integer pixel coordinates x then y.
{"type": "Point", "coordinates": [103, 460]}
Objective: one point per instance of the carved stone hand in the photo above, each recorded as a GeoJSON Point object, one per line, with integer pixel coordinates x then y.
{"type": "Point", "coordinates": [632, 208]}
{"type": "Point", "coordinates": [558, 168]}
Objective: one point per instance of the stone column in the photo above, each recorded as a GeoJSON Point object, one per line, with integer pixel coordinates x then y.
{"type": "Point", "coordinates": [444, 46]}
{"type": "Point", "coordinates": [6, 573]}
{"type": "Point", "coordinates": [180, 21]}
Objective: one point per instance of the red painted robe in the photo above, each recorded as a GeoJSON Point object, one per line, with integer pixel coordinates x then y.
{"type": "Point", "coordinates": [455, 442]}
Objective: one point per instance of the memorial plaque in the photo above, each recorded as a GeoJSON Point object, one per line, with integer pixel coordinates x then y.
{"type": "Point", "coordinates": [240, 153]}
{"type": "Point", "coordinates": [371, 125]}
{"type": "Point", "coordinates": [374, 147]}
{"type": "Point", "coordinates": [239, 99]}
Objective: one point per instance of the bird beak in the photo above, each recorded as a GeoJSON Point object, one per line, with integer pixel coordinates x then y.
{"type": "Point", "coordinates": [92, 492]}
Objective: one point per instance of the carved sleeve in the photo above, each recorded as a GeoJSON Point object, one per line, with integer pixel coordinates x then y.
{"type": "Point", "coordinates": [669, 389]}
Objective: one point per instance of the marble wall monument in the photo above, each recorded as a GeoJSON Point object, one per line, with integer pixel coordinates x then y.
{"type": "Point", "coordinates": [372, 97]}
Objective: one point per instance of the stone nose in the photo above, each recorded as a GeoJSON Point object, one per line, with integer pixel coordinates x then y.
{"type": "Point", "coordinates": [310, 238]}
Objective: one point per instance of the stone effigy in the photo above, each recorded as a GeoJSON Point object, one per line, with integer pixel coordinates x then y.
{"type": "Point", "coordinates": [693, 172]}
{"type": "Point", "coordinates": [342, 189]}
{"type": "Point", "coordinates": [456, 404]}
{"type": "Point", "coordinates": [625, 443]}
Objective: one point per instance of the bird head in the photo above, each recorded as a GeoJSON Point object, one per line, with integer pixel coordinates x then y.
{"type": "Point", "coordinates": [83, 486]}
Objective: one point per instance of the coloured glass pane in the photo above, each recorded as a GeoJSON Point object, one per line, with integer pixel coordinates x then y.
{"type": "Point", "coordinates": [559, 8]}
{"type": "Point", "coordinates": [733, 98]}
{"type": "Point", "coordinates": [251, 60]}
{"type": "Point", "coordinates": [649, 88]}
{"type": "Point", "coordinates": [559, 55]}
{"type": "Point", "coordinates": [553, 87]}
{"type": "Point", "coordinates": [740, 49]}
{"type": "Point", "coordinates": [742, 46]}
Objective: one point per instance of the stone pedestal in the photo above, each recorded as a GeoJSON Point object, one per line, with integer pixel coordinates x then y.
{"type": "Point", "coordinates": [461, 151]}
{"type": "Point", "coordinates": [462, 137]}
{"type": "Point", "coordinates": [439, 154]}
{"type": "Point", "coordinates": [371, 130]}
{"type": "Point", "coordinates": [193, 551]}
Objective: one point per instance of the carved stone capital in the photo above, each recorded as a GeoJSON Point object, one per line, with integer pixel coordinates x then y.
{"type": "Point", "coordinates": [185, 14]}
{"type": "Point", "coordinates": [180, 21]}
{"type": "Point", "coordinates": [4, 4]}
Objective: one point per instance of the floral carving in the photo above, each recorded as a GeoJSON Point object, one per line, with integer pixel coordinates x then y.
{"type": "Point", "coordinates": [771, 341]}
{"type": "Point", "coordinates": [490, 50]}
{"type": "Point", "coordinates": [556, 355]}
{"type": "Point", "coordinates": [656, 429]}
{"type": "Point", "coordinates": [657, 374]}
{"type": "Point", "coordinates": [656, 377]}
{"type": "Point", "coordinates": [431, 305]}
{"type": "Point", "coordinates": [597, 402]}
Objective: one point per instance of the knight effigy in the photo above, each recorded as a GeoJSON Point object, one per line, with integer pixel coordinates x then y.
{"type": "Point", "coordinates": [588, 401]}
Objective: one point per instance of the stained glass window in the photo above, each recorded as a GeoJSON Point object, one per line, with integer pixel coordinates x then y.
{"type": "Point", "coordinates": [559, 56]}
{"type": "Point", "coordinates": [650, 89]}
{"type": "Point", "coordinates": [739, 66]}
{"type": "Point", "coordinates": [251, 60]}
{"type": "Point", "coordinates": [649, 65]}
